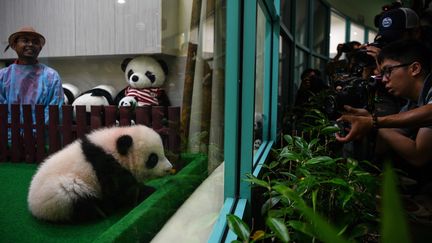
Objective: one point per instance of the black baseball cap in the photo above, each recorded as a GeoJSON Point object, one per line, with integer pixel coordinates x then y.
{"type": "Point", "coordinates": [393, 24]}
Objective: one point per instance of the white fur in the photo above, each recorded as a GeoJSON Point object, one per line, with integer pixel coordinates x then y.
{"type": "Point", "coordinates": [140, 65]}
{"type": "Point", "coordinates": [73, 89]}
{"type": "Point", "coordinates": [88, 100]}
{"type": "Point", "coordinates": [66, 175]}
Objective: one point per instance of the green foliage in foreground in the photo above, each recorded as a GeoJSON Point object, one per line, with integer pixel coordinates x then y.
{"type": "Point", "coordinates": [290, 218]}
{"type": "Point", "coordinates": [313, 196]}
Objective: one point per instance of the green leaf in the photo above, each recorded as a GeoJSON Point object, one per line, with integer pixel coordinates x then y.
{"type": "Point", "coordinates": [300, 143]}
{"type": "Point", "coordinates": [324, 230]}
{"type": "Point", "coordinates": [257, 181]}
{"type": "Point", "coordinates": [343, 230]}
{"type": "Point", "coordinates": [269, 204]}
{"type": "Point", "coordinates": [279, 228]}
{"type": "Point", "coordinates": [302, 227]}
{"type": "Point", "coordinates": [288, 139]}
{"type": "Point", "coordinates": [239, 227]}
{"type": "Point", "coordinates": [320, 159]}
{"type": "Point", "coordinates": [312, 143]}
{"type": "Point", "coordinates": [337, 181]}
{"type": "Point", "coordinates": [290, 155]}
{"type": "Point", "coordinates": [290, 175]}
{"type": "Point", "coordinates": [329, 130]}
{"type": "Point", "coordinates": [314, 199]}
{"type": "Point", "coordinates": [347, 197]}
{"type": "Point", "coordinates": [394, 226]}
{"type": "Point", "coordinates": [273, 165]}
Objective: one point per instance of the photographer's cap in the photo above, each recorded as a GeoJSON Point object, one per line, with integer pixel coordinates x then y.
{"type": "Point", "coordinates": [393, 23]}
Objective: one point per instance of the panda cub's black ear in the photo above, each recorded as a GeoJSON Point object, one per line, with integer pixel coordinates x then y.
{"type": "Point", "coordinates": [123, 144]}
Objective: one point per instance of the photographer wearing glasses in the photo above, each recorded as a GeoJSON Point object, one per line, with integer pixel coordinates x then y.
{"type": "Point", "coordinates": [405, 69]}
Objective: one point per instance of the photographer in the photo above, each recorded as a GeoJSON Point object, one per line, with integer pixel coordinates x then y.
{"type": "Point", "coordinates": [311, 84]}
{"type": "Point", "coordinates": [405, 68]}
{"type": "Point", "coordinates": [394, 23]}
{"type": "Point", "coordinates": [353, 85]}
{"type": "Point", "coordinates": [346, 48]}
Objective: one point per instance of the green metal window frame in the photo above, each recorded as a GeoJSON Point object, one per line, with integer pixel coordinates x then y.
{"type": "Point", "coordinates": [239, 105]}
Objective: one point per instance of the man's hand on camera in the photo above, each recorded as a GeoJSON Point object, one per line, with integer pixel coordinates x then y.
{"type": "Point", "coordinates": [372, 50]}
{"type": "Point", "coordinates": [360, 124]}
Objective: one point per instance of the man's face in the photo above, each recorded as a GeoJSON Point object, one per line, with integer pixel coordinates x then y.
{"type": "Point", "coordinates": [27, 46]}
{"type": "Point", "coordinates": [307, 81]}
{"type": "Point", "coordinates": [396, 78]}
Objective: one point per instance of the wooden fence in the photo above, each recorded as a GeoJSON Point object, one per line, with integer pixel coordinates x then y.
{"type": "Point", "coordinates": [25, 140]}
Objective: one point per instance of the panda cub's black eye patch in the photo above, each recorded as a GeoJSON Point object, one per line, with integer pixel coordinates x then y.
{"type": "Point", "coordinates": [152, 161]}
{"type": "Point", "coordinates": [130, 73]}
{"type": "Point", "coordinates": [150, 76]}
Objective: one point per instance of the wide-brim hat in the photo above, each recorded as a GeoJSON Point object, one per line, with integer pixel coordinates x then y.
{"type": "Point", "coordinates": [27, 30]}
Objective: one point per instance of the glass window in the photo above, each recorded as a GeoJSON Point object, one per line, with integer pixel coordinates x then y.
{"type": "Point", "coordinates": [371, 36]}
{"type": "Point", "coordinates": [319, 63]}
{"type": "Point", "coordinates": [87, 49]}
{"type": "Point", "coordinates": [286, 93]}
{"type": "Point", "coordinates": [302, 22]}
{"type": "Point", "coordinates": [287, 88]}
{"type": "Point", "coordinates": [337, 32]}
{"type": "Point", "coordinates": [357, 33]}
{"type": "Point", "coordinates": [285, 8]}
{"type": "Point", "coordinates": [320, 14]}
{"type": "Point", "coordinates": [259, 76]}
{"type": "Point", "coordinates": [301, 60]}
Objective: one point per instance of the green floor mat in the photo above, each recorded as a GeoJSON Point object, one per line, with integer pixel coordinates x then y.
{"type": "Point", "coordinates": [139, 224]}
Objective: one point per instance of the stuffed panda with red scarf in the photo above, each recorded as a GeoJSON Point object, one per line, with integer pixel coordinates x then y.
{"type": "Point", "coordinates": [145, 77]}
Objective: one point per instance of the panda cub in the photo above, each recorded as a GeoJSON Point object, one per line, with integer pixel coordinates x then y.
{"type": "Point", "coordinates": [94, 176]}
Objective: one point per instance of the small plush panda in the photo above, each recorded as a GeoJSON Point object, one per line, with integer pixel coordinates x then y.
{"type": "Point", "coordinates": [95, 176]}
{"type": "Point", "coordinates": [145, 77]}
{"type": "Point", "coordinates": [128, 101]}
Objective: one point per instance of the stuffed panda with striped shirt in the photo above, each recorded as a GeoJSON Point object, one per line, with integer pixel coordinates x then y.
{"type": "Point", "coordinates": [145, 77]}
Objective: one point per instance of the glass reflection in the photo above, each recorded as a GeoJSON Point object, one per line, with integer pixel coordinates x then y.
{"type": "Point", "coordinates": [259, 77]}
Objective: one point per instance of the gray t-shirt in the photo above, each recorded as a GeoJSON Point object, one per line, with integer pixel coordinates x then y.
{"type": "Point", "coordinates": [424, 99]}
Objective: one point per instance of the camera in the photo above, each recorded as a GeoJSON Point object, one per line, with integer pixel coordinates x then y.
{"type": "Point", "coordinates": [352, 86]}
{"type": "Point", "coordinates": [349, 46]}
{"type": "Point", "coordinates": [346, 47]}
{"type": "Point", "coordinates": [353, 91]}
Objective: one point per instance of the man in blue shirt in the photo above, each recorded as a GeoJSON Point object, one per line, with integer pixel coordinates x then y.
{"type": "Point", "coordinates": [27, 81]}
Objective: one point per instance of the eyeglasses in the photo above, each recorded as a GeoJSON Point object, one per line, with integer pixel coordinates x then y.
{"type": "Point", "coordinates": [387, 71]}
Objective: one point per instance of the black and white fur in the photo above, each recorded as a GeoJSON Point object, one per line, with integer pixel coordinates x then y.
{"type": "Point", "coordinates": [97, 175]}
{"type": "Point", "coordinates": [100, 95]}
{"type": "Point", "coordinates": [70, 93]}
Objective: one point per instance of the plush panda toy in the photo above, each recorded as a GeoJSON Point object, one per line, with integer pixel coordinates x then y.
{"type": "Point", "coordinates": [70, 93]}
{"type": "Point", "coordinates": [128, 101]}
{"type": "Point", "coordinates": [94, 176]}
{"type": "Point", "coordinates": [145, 77]}
{"type": "Point", "coordinates": [99, 95]}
